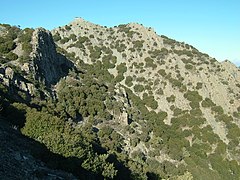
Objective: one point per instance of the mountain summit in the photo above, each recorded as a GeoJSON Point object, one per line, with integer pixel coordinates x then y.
{"type": "Point", "coordinates": [122, 102]}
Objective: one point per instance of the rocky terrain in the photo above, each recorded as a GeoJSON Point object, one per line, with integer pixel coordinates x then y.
{"type": "Point", "coordinates": [123, 100]}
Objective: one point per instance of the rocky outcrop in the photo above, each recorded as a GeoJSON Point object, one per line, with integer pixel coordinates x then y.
{"type": "Point", "coordinates": [48, 65]}
{"type": "Point", "coordinates": [15, 82]}
{"type": "Point", "coordinates": [122, 98]}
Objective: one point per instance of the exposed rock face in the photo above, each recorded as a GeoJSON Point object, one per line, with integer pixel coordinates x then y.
{"type": "Point", "coordinates": [122, 98]}
{"type": "Point", "coordinates": [45, 66]}
{"type": "Point", "coordinates": [49, 66]}
{"type": "Point", "coordinates": [15, 81]}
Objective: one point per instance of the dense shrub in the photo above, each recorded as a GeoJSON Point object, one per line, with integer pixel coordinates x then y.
{"type": "Point", "coordinates": [138, 88]}
{"type": "Point", "coordinates": [128, 81]}
{"type": "Point", "coordinates": [193, 96]}
{"type": "Point", "coordinates": [207, 103]}
{"type": "Point", "coordinates": [150, 101]}
{"type": "Point", "coordinates": [12, 56]}
{"type": "Point", "coordinates": [171, 98]}
{"type": "Point", "coordinates": [150, 63]}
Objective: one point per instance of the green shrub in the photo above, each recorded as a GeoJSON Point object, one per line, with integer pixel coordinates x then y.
{"type": "Point", "coordinates": [128, 81]}
{"type": "Point", "coordinates": [119, 78]}
{"type": "Point", "coordinates": [83, 39]}
{"type": "Point", "coordinates": [162, 72]}
{"type": "Point", "coordinates": [138, 88]}
{"type": "Point", "coordinates": [199, 85]}
{"type": "Point", "coordinates": [189, 66]}
{"type": "Point", "coordinates": [95, 53]}
{"type": "Point", "coordinates": [122, 68]}
{"type": "Point", "coordinates": [193, 96]}
{"type": "Point", "coordinates": [206, 103]}
{"type": "Point", "coordinates": [150, 101]}
{"type": "Point", "coordinates": [196, 112]}
{"type": "Point", "coordinates": [171, 98]}
{"type": "Point", "coordinates": [217, 109]}
{"type": "Point", "coordinates": [12, 56]}
{"type": "Point", "coordinates": [64, 40]}
{"type": "Point", "coordinates": [67, 27]}
{"type": "Point", "coordinates": [150, 63]}
{"type": "Point", "coordinates": [56, 37]}
{"type": "Point", "coordinates": [138, 44]}
{"type": "Point", "coordinates": [73, 37]}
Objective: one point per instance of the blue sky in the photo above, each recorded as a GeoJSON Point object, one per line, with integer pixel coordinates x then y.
{"type": "Point", "coordinates": [212, 26]}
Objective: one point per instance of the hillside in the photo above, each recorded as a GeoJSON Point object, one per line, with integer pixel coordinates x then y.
{"type": "Point", "coordinates": [125, 101]}
{"type": "Point", "coordinates": [24, 158]}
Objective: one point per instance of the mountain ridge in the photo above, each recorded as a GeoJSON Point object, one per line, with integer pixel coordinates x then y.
{"type": "Point", "coordinates": [160, 107]}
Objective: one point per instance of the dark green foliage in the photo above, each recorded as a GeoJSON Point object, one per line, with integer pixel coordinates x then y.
{"type": "Point", "coordinates": [25, 36]}
{"type": "Point", "coordinates": [7, 43]}
{"type": "Point", "coordinates": [122, 68]}
{"type": "Point", "coordinates": [67, 27]}
{"type": "Point", "coordinates": [150, 63]}
{"type": "Point", "coordinates": [189, 66]}
{"type": "Point", "coordinates": [95, 53]}
{"type": "Point", "coordinates": [162, 115]}
{"type": "Point", "coordinates": [7, 46]}
{"type": "Point", "coordinates": [162, 72]}
{"type": "Point", "coordinates": [175, 82]}
{"type": "Point", "coordinates": [25, 39]}
{"type": "Point", "coordinates": [61, 138]}
{"type": "Point", "coordinates": [73, 37]}
{"type": "Point", "coordinates": [56, 37]}
{"type": "Point", "coordinates": [125, 29]}
{"type": "Point", "coordinates": [11, 56]}
{"type": "Point", "coordinates": [217, 109]}
{"type": "Point", "coordinates": [196, 112]}
{"type": "Point", "coordinates": [184, 52]}
{"type": "Point", "coordinates": [128, 81]}
{"type": "Point", "coordinates": [150, 101]}
{"type": "Point", "coordinates": [80, 42]}
{"type": "Point", "coordinates": [119, 78]}
{"type": "Point", "coordinates": [138, 44]}
{"type": "Point", "coordinates": [109, 61]}
{"type": "Point", "coordinates": [167, 40]}
{"type": "Point", "coordinates": [158, 53]}
{"type": "Point", "coordinates": [83, 39]}
{"type": "Point", "coordinates": [138, 88]}
{"type": "Point", "coordinates": [171, 98]}
{"type": "Point", "coordinates": [199, 85]}
{"type": "Point", "coordinates": [194, 104]}
{"type": "Point", "coordinates": [120, 47]}
{"type": "Point", "coordinates": [110, 139]}
{"type": "Point", "coordinates": [64, 40]}
{"type": "Point", "coordinates": [193, 96]}
{"type": "Point", "coordinates": [80, 101]}
{"type": "Point", "coordinates": [207, 103]}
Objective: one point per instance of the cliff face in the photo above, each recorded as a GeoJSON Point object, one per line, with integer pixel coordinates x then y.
{"type": "Point", "coordinates": [44, 66]}
{"type": "Point", "coordinates": [48, 65]}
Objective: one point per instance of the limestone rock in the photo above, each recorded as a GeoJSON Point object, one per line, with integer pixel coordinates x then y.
{"type": "Point", "coordinates": [48, 65]}
{"type": "Point", "coordinates": [9, 73]}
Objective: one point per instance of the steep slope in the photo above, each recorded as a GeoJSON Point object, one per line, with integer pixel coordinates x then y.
{"type": "Point", "coordinates": [124, 101]}
{"type": "Point", "coordinates": [156, 66]}
{"type": "Point", "coordinates": [20, 157]}
{"type": "Point", "coordinates": [36, 63]}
